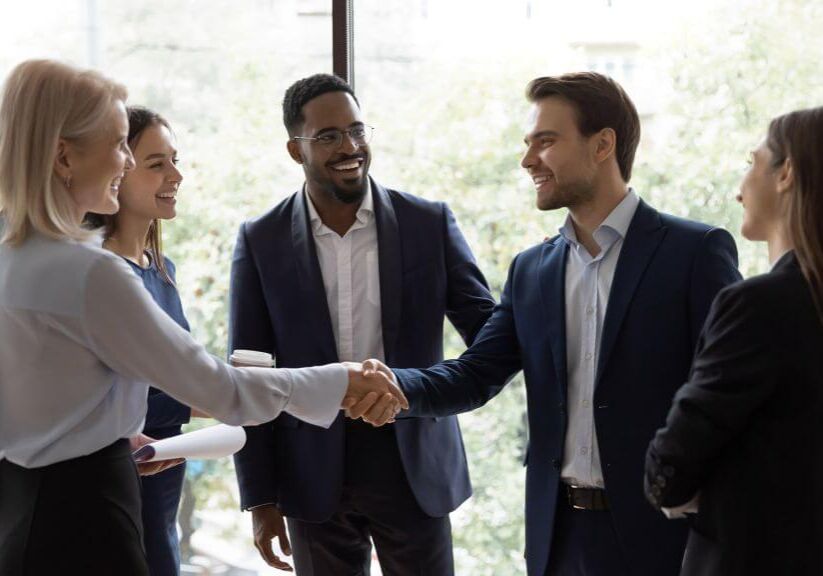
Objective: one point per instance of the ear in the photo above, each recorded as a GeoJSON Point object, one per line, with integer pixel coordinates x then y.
{"type": "Point", "coordinates": [604, 144]}
{"type": "Point", "coordinates": [785, 177]}
{"type": "Point", "coordinates": [62, 160]}
{"type": "Point", "coordinates": [294, 151]}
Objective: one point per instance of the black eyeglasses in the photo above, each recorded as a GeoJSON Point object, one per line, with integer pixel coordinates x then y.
{"type": "Point", "coordinates": [333, 139]}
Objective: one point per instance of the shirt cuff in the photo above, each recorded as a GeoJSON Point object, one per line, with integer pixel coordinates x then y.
{"type": "Point", "coordinates": [317, 393]}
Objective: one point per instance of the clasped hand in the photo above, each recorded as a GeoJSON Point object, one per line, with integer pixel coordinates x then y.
{"type": "Point", "coordinates": [373, 393]}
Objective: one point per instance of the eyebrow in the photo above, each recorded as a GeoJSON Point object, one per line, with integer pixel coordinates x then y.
{"type": "Point", "coordinates": [158, 155]}
{"type": "Point", "coordinates": [336, 129]}
{"type": "Point", "coordinates": [540, 134]}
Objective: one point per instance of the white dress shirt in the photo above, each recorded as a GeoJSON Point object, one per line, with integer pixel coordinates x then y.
{"type": "Point", "coordinates": [588, 284]}
{"type": "Point", "coordinates": [82, 340]}
{"type": "Point", "coordinates": [351, 277]}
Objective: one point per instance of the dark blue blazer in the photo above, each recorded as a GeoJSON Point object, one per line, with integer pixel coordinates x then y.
{"type": "Point", "coordinates": [667, 275]}
{"type": "Point", "coordinates": [278, 304]}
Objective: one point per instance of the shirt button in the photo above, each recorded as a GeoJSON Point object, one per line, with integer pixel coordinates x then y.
{"type": "Point", "coordinates": [584, 450]}
{"type": "Point", "coordinates": [588, 355]}
{"type": "Point", "coordinates": [585, 402]}
{"type": "Point", "coordinates": [589, 310]}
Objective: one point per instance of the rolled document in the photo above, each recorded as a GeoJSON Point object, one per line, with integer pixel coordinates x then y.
{"type": "Point", "coordinates": [208, 443]}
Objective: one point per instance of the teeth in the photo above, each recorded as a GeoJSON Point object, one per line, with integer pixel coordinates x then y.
{"type": "Point", "coordinates": [347, 165]}
{"type": "Point", "coordinates": [165, 195]}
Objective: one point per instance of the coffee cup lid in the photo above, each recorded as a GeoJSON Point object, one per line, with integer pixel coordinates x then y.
{"type": "Point", "coordinates": [252, 357]}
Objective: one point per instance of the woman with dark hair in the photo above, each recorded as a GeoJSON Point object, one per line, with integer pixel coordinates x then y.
{"type": "Point", "coordinates": [148, 196]}
{"type": "Point", "coordinates": [743, 439]}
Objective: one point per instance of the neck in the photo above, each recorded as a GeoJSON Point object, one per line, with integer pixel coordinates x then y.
{"type": "Point", "coordinates": [588, 216]}
{"type": "Point", "coordinates": [129, 239]}
{"type": "Point", "coordinates": [779, 243]}
{"type": "Point", "coordinates": [335, 214]}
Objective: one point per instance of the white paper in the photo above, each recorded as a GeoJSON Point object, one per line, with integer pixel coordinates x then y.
{"type": "Point", "coordinates": [208, 443]}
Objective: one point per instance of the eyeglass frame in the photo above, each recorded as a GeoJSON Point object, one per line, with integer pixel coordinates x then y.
{"type": "Point", "coordinates": [346, 132]}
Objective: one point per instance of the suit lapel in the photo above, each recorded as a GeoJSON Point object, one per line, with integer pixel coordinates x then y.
{"type": "Point", "coordinates": [642, 240]}
{"type": "Point", "coordinates": [310, 279]}
{"type": "Point", "coordinates": [391, 267]}
{"type": "Point", "coordinates": [553, 286]}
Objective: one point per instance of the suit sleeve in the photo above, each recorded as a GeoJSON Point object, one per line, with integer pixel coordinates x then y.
{"type": "Point", "coordinates": [469, 302]}
{"type": "Point", "coordinates": [715, 267]}
{"type": "Point", "coordinates": [733, 374]}
{"type": "Point", "coordinates": [164, 412]}
{"type": "Point", "coordinates": [461, 385]}
{"type": "Point", "coordinates": [250, 329]}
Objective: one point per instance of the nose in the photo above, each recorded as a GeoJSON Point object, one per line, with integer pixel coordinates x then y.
{"type": "Point", "coordinates": [130, 163]}
{"type": "Point", "coordinates": [176, 176]}
{"type": "Point", "coordinates": [348, 144]}
{"type": "Point", "coordinates": [528, 159]}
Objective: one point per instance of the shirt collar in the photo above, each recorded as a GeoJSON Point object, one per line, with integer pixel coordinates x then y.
{"type": "Point", "coordinates": [364, 213]}
{"type": "Point", "coordinates": [617, 221]}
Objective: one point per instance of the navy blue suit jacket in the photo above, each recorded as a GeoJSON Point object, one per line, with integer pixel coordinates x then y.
{"type": "Point", "coordinates": [667, 275]}
{"type": "Point", "coordinates": [278, 305]}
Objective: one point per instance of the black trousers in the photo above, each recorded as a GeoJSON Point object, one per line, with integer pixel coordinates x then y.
{"type": "Point", "coordinates": [377, 503]}
{"type": "Point", "coordinates": [584, 543]}
{"type": "Point", "coordinates": [81, 516]}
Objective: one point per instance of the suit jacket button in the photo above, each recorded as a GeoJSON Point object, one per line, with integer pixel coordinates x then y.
{"type": "Point", "coordinates": [656, 492]}
{"type": "Point", "coordinates": [660, 480]}
{"type": "Point", "coordinates": [556, 463]}
{"type": "Point", "coordinates": [668, 471]}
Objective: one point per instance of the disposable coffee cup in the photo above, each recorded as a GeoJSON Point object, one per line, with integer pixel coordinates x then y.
{"type": "Point", "coordinates": [241, 358]}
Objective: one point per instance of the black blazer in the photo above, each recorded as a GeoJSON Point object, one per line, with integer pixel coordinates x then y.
{"type": "Point", "coordinates": [746, 432]}
{"type": "Point", "coordinates": [278, 304]}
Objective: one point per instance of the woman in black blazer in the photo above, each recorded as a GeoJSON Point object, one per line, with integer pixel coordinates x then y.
{"type": "Point", "coordinates": [743, 439]}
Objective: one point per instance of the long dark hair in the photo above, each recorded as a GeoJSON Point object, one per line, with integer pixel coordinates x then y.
{"type": "Point", "coordinates": [798, 137]}
{"type": "Point", "coordinates": [140, 118]}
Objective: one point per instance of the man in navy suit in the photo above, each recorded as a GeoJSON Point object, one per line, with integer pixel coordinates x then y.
{"type": "Point", "coordinates": [603, 320]}
{"type": "Point", "coordinates": [343, 270]}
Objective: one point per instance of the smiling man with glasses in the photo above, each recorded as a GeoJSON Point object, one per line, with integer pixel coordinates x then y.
{"type": "Point", "coordinates": [347, 269]}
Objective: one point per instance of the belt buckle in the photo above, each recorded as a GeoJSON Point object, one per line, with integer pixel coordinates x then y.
{"type": "Point", "coordinates": [570, 494]}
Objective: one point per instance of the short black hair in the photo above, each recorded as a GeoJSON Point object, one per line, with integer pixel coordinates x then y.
{"type": "Point", "coordinates": [305, 90]}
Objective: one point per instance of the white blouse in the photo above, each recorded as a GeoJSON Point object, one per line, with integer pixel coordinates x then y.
{"type": "Point", "coordinates": [81, 340]}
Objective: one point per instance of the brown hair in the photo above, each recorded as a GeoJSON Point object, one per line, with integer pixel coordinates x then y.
{"type": "Point", "coordinates": [600, 103]}
{"type": "Point", "coordinates": [140, 119]}
{"type": "Point", "coordinates": [798, 137]}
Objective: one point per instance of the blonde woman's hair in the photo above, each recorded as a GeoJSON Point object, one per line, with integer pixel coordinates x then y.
{"type": "Point", "coordinates": [44, 101]}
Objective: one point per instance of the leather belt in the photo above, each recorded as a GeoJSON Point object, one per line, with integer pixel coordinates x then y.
{"type": "Point", "coordinates": [586, 498]}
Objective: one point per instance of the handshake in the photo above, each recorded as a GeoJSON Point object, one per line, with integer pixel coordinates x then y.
{"type": "Point", "coordinates": [373, 393]}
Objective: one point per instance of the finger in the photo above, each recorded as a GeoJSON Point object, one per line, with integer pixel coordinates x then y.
{"type": "Point", "coordinates": [363, 405]}
{"type": "Point", "coordinates": [387, 417]}
{"type": "Point", "coordinates": [348, 402]}
{"type": "Point", "coordinates": [285, 545]}
{"type": "Point", "coordinates": [263, 546]}
{"type": "Point", "coordinates": [395, 390]}
{"type": "Point", "coordinates": [375, 414]}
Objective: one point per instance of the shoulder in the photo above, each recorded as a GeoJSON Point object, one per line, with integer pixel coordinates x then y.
{"type": "Point", "coordinates": [407, 203]}
{"type": "Point", "coordinates": [274, 218]}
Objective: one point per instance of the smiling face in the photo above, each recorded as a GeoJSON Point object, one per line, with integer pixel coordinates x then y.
{"type": "Point", "coordinates": [762, 208]}
{"type": "Point", "coordinates": [338, 172]}
{"type": "Point", "coordinates": [97, 166]}
{"type": "Point", "coordinates": [559, 159]}
{"type": "Point", "coordinates": [150, 190]}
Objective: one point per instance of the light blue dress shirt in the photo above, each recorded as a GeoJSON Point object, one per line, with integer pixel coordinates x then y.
{"type": "Point", "coordinates": [588, 285]}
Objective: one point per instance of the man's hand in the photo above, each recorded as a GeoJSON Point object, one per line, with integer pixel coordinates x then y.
{"type": "Point", "coordinates": [267, 523]}
{"type": "Point", "coordinates": [377, 406]}
{"type": "Point", "coordinates": [151, 468]}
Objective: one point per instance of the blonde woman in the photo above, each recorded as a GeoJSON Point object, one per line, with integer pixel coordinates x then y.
{"type": "Point", "coordinates": [81, 339]}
